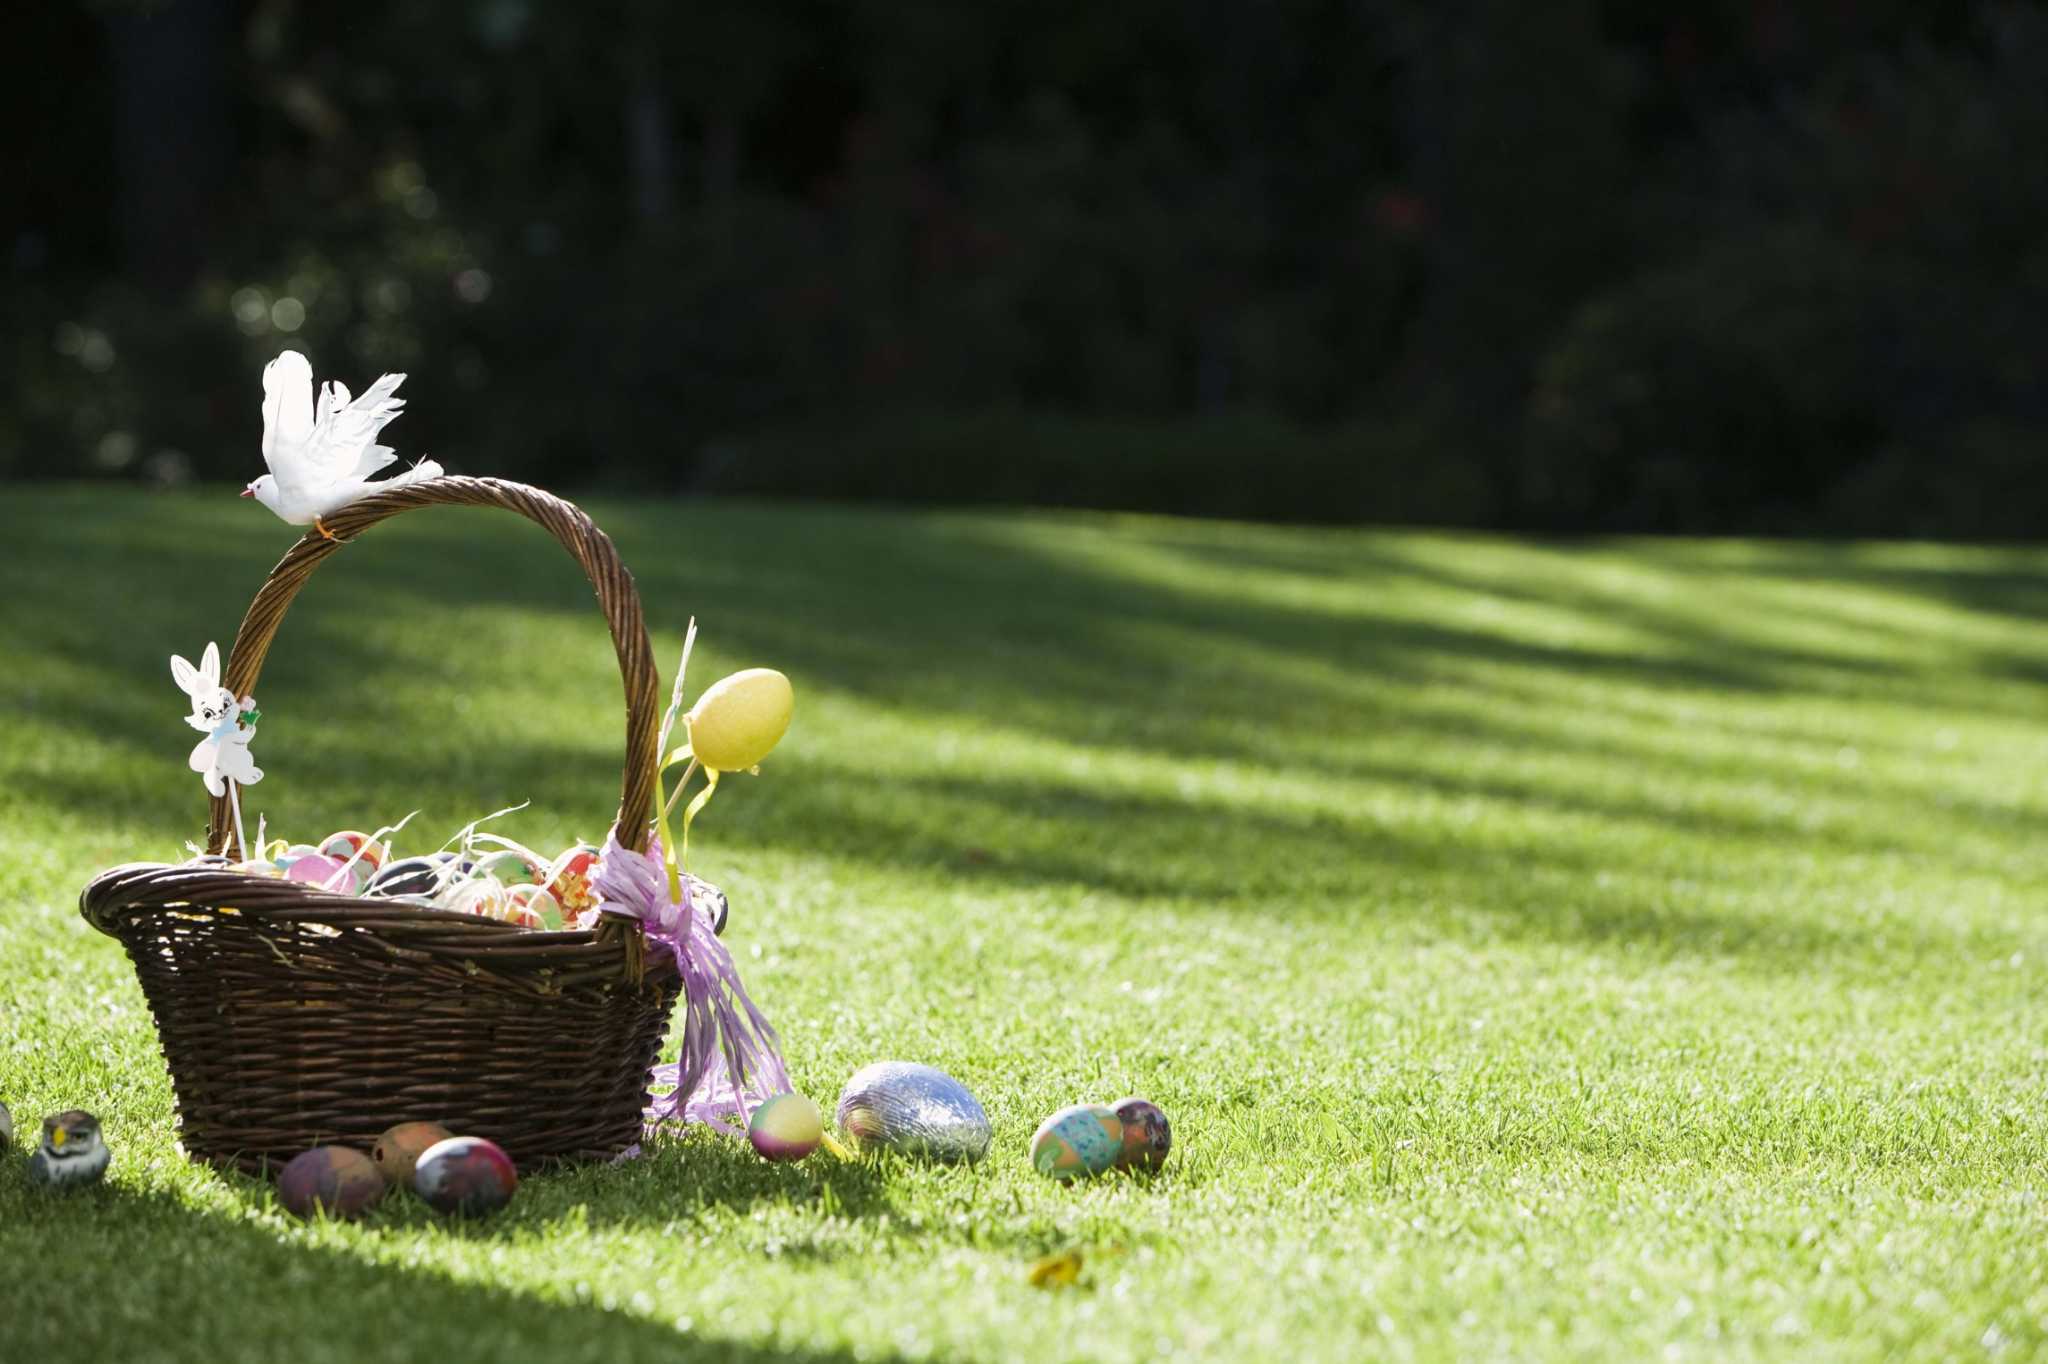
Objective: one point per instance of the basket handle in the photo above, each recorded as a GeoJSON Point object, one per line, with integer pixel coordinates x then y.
{"type": "Point", "coordinates": [563, 520]}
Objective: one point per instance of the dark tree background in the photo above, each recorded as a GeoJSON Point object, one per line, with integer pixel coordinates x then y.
{"type": "Point", "coordinates": [1706, 265]}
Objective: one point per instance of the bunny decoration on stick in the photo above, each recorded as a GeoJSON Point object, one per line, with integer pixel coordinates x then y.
{"type": "Point", "coordinates": [222, 757]}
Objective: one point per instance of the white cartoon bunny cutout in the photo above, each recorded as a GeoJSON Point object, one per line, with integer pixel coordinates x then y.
{"type": "Point", "coordinates": [228, 724]}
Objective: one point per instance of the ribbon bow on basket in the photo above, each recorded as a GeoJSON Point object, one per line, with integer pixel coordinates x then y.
{"type": "Point", "coordinates": [731, 1058]}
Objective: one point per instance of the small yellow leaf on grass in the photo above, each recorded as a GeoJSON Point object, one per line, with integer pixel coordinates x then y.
{"type": "Point", "coordinates": [1056, 1271]}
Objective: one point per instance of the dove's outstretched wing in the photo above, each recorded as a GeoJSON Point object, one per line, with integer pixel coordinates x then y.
{"type": "Point", "coordinates": [287, 414]}
{"type": "Point", "coordinates": [345, 433]}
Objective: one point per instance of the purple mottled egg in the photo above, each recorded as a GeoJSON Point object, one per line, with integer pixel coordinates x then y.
{"type": "Point", "coordinates": [1147, 1134]}
{"type": "Point", "coordinates": [331, 1179]}
{"type": "Point", "coordinates": [401, 1147]}
{"type": "Point", "coordinates": [1084, 1139]}
{"type": "Point", "coordinates": [786, 1127]}
{"type": "Point", "coordinates": [465, 1177]}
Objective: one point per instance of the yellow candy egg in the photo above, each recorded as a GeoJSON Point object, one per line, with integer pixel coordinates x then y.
{"type": "Point", "coordinates": [739, 719]}
{"type": "Point", "coordinates": [786, 1127]}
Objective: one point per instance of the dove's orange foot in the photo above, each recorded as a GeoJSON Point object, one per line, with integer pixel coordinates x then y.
{"type": "Point", "coordinates": [321, 526]}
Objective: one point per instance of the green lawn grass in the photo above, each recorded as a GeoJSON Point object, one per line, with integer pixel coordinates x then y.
{"type": "Point", "coordinates": [1575, 951]}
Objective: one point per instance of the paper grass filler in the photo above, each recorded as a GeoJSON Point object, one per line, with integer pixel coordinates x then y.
{"type": "Point", "coordinates": [324, 992]}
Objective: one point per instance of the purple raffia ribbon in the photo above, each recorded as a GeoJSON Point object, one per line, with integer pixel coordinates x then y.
{"type": "Point", "coordinates": [731, 1059]}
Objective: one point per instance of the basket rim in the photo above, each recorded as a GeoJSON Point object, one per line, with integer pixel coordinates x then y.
{"type": "Point", "coordinates": [124, 896]}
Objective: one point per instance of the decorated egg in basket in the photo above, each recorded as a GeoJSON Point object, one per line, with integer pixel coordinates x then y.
{"type": "Point", "coordinates": [318, 869]}
{"type": "Point", "coordinates": [481, 895]}
{"type": "Point", "coordinates": [290, 852]}
{"type": "Point", "coordinates": [415, 875]}
{"type": "Point", "coordinates": [510, 868]}
{"type": "Point", "coordinates": [366, 851]}
{"type": "Point", "coordinates": [568, 878]}
{"type": "Point", "coordinates": [531, 907]}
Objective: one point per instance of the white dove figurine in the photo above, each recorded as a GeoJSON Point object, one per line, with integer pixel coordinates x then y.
{"type": "Point", "coordinates": [320, 462]}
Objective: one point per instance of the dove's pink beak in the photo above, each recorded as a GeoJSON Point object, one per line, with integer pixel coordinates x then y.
{"type": "Point", "coordinates": [248, 492]}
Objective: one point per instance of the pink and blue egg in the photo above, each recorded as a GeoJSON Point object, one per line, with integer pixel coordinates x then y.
{"type": "Point", "coordinates": [318, 869]}
{"type": "Point", "coordinates": [465, 1177]}
{"type": "Point", "coordinates": [282, 856]}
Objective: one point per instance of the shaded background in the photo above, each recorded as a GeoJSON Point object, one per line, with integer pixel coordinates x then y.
{"type": "Point", "coordinates": [1732, 265]}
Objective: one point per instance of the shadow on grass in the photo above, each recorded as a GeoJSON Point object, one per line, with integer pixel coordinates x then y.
{"type": "Point", "coordinates": [681, 1174]}
{"type": "Point", "coordinates": [1302, 869]}
{"type": "Point", "coordinates": [119, 1274]}
{"type": "Point", "coordinates": [958, 831]}
{"type": "Point", "coordinates": [1181, 643]}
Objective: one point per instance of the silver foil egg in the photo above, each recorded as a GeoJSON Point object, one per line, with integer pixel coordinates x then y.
{"type": "Point", "coordinates": [917, 1110]}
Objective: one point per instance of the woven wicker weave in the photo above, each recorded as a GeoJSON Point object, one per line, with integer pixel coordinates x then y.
{"type": "Point", "coordinates": [290, 1016]}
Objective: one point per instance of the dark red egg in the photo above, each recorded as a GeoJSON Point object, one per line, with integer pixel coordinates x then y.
{"type": "Point", "coordinates": [465, 1177]}
{"type": "Point", "coordinates": [331, 1179]}
{"type": "Point", "coordinates": [1147, 1134]}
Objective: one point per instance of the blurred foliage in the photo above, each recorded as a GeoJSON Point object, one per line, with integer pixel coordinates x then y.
{"type": "Point", "coordinates": [1241, 463]}
{"type": "Point", "coordinates": [1726, 264]}
{"type": "Point", "coordinates": [1856, 339]}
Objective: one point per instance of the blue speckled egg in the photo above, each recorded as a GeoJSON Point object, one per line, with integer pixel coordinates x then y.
{"type": "Point", "coordinates": [1085, 1139]}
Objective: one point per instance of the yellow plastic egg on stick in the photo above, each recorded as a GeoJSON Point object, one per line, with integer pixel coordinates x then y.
{"type": "Point", "coordinates": [739, 719]}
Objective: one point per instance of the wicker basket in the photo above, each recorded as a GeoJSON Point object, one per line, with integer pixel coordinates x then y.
{"type": "Point", "coordinates": [290, 1016]}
